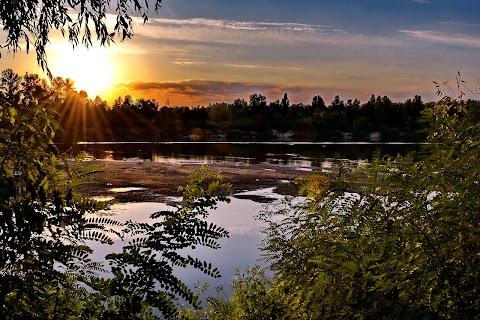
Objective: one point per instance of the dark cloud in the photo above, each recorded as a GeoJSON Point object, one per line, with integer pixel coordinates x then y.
{"type": "Point", "coordinates": [203, 92]}
{"type": "Point", "coordinates": [210, 91]}
{"type": "Point", "coordinates": [195, 87]}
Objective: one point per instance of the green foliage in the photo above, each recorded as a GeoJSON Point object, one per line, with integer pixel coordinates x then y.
{"type": "Point", "coordinates": [255, 296]}
{"type": "Point", "coordinates": [402, 245]}
{"type": "Point", "coordinates": [45, 266]}
{"type": "Point", "coordinates": [43, 260]}
{"type": "Point", "coordinates": [218, 307]}
{"type": "Point", "coordinates": [144, 271]}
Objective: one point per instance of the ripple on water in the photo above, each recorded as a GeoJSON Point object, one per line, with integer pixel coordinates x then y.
{"type": "Point", "coordinates": [126, 189]}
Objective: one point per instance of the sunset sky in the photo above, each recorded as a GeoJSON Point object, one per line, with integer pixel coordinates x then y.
{"type": "Point", "coordinates": [194, 52]}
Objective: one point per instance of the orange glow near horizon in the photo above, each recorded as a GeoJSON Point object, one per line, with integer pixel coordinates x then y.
{"type": "Point", "coordinates": [91, 69]}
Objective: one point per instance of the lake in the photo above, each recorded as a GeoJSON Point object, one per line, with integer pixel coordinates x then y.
{"type": "Point", "coordinates": [241, 248]}
{"type": "Point", "coordinates": [304, 154]}
{"type": "Point", "coordinates": [237, 251]}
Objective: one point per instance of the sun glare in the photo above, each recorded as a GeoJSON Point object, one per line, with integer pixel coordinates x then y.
{"type": "Point", "coordinates": [91, 69]}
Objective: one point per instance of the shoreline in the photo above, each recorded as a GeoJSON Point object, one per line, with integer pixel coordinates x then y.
{"type": "Point", "coordinates": [156, 182]}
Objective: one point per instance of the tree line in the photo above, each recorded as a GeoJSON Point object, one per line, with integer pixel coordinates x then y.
{"type": "Point", "coordinates": [85, 119]}
{"type": "Point", "coordinates": [257, 119]}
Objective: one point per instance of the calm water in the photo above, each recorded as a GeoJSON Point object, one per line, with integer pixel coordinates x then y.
{"type": "Point", "coordinates": [241, 248]}
{"type": "Point", "coordinates": [303, 154]}
{"type": "Point", "coordinates": [238, 251]}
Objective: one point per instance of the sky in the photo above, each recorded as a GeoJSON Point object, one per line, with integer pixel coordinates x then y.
{"type": "Point", "coordinates": [196, 52]}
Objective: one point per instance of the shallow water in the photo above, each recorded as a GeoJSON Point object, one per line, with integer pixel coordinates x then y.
{"type": "Point", "coordinates": [237, 252]}
{"type": "Point", "coordinates": [126, 189]}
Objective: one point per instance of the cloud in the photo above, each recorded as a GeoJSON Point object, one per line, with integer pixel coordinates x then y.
{"type": "Point", "coordinates": [186, 62]}
{"type": "Point", "coordinates": [456, 39]}
{"type": "Point", "coordinates": [257, 66]}
{"type": "Point", "coordinates": [460, 24]}
{"type": "Point", "coordinates": [252, 33]}
{"type": "Point", "coordinates": [202, 92]}
{"type": "Point", "coordinates": [245, 25]}
{"type": "Point", "coordinates": [195, 87]}
{"type": "Point", "coordinates": [422, 1]}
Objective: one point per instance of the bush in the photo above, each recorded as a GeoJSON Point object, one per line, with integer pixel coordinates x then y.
{"type": "Point", "coordinates": [398, 239]}
{"type": "Point", "coordinates": [45, 266]}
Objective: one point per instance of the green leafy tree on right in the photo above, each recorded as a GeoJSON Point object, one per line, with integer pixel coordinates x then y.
{"type": "Point", "coordinates": [397, 239]}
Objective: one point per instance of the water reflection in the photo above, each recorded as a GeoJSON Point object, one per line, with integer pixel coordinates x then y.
{"type": "Point", "coordinates": [126, 189]}
{"type": "Point", "coordinates": [238, 251]}
{"type": "Point", "coordinates": [300, 154]}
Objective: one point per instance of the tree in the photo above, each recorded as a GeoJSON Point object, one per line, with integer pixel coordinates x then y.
{"type": "Point", "coordinates": [398, 240]}
{"type": "Point", "coordinates": [257, 101]}
{"type": "Point", "coordinates": [45, 266]}
{"type": "Point", "coordinates": [34, 20]}
{"type": "Point", "coordinates": [317, 104]}
{"type": "Point", "coordinates": [285, 103]}
{"type": "Point", "coordinates": [337, 104]}
{"type": "Point", "coordinates": [239, 103]}
{"type": "Point", "coordinates": [43, 262]}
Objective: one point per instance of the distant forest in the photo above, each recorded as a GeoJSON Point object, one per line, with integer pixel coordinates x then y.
{"type": "Point", "coordinates": [128, 119]}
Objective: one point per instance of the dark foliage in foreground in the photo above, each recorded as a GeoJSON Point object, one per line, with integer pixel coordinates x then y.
{"type": "Point", "coordinates": [46, 228]}
{"type": "Point", "coordinates": [403, 245]}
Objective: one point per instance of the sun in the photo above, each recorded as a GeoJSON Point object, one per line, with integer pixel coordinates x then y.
{"type": "Point", "coordinates": [90, 68]}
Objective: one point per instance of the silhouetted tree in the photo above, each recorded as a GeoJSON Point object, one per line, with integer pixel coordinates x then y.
{"type": "Point", "coordinates": [257, 100]}
{"type": "Point", "coordinates": [337, 104]}
{"type": "Point", "coordinates": [317, 103]}
{"type": "Point", "coordinates": [239, 103]}
{"type": "Point", "coordinates": [285, 102]}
